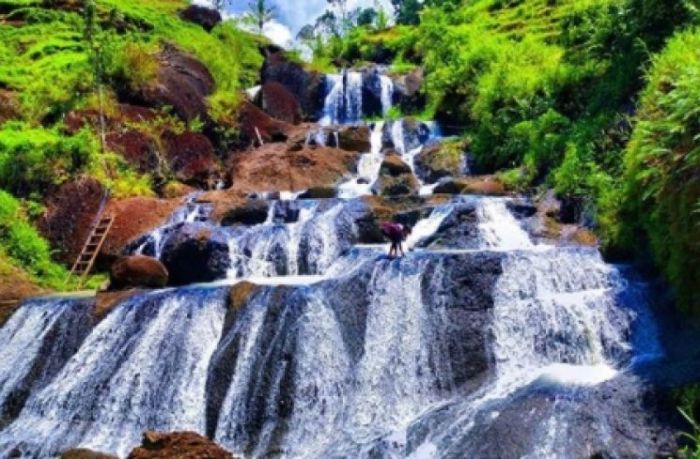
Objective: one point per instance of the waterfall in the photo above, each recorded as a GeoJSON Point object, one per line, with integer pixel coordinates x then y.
{"type": "Point", "coordinates": [143, 367]}
{"type": "Point", "coordinates": [35, 343]}
{"type": "Point", "coordinates": [387, 94]}
{"type": "Point", "coordinates": [343, 103]}
{"type": "Point", "coordinates": [191, 212]}
{"type": "Point", "coordinates": [438, 354]}
{"type": "Point", "coordinates": [368, 168]}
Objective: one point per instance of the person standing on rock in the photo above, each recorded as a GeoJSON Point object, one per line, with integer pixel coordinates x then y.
{"type": "Point", "coordinates": [396, 233]}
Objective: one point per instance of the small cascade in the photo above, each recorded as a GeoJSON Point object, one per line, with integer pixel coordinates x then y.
{"type": "Point", "coordinates": [387, 97]}
{"type": "Point", "coordinates": [498, 227]}
{"type": "Point", "coordinates": [343, 104]}
{"type": "Point", "coordinates": [368, 168]}
{"type": "Point", "coordinates": [35, 344]}
{"type": "Point", "coordinates": [190, 212]}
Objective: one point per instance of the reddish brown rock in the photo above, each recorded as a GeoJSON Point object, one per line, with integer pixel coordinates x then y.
{"type": "Point", "coordinates": [254, 122]}
{"type": "Point", "coordinates": [182, 83]}
{"type": "Point", "coordinates": [178, 445]}
{"type": "Point", "coordinates": [70, 215]}
{"type": "Point", "coordinates": [137, 271]}
{"type": "Point", "coordinates": [396, 178]}
{"type": "Point", "coordinates": [223, 202]}
{"type": "Point", "coordinates": [308, 87]}
{"type": "Point", "coordinates": [354, 138]}
{"type": "Point", "coordinates": [118, 119]}
{"type": "Point", "coordinates": [191, 158]}
{"type": "Point", "coordinates": [281, 104]}
{"type": "Point", "coordinates": [274, 168]}
{"type": "Point", "coordinates": [134, 217]}
{"type": "Point", "coordinates": [138, 148]}
{"type": "Point", "coordinates": [208, 18]}
{"type": "Point", "coordinates": [82, 453]}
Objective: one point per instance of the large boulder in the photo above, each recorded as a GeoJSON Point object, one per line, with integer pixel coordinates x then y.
{"type": "Point", "coordinates": [255, 125]}
{"type": "Point", "coordinates": [195, 253]}
{"type": "Point", "coordinates": [280, 103]}
{"type": "Point", "coordinates": [69, 217]}
{"type": "Point", "coordinates": [407, 93]}
{"type": "Point", "coordinates": [308, 87]}
{"type": "Point", "coordinates": [208, 18]}
{"type": "Point", "coordinates": [133, 217]}
{"type": "Point", "coordinates": [274, 168]}
{"type": "Point", "coordinates": [138, 271]}
{"type": "Point", "coordinates": [372, 90]}
{"type": "Point", "coordinates": [182, 82]}
{"type": "Point", "coordinates": [395, 178]}
{"type": "Point", "coordinates": [442, 159]}
{"type": "Point", "coordinates": [137, 148]}
{"type": "Point", "coordinates": [178, 445]}
{"type": "Point", "coordinates": [253, 212]}
{"type": "Point", "coordinates": [192, 159]}
{"type": "Point", "coordinates": [459, 230]}
{"type": "Point", "coordinates": [354, 138]}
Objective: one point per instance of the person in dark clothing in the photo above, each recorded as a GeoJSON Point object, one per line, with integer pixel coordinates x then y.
{"type": "Point", "coordinates": [396, 233]}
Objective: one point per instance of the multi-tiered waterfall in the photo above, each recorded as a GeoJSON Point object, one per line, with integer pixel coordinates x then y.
{"type": "Point", "coordinates": [434, 355]}
{"type": "Point", "coordinates": [480, 343]}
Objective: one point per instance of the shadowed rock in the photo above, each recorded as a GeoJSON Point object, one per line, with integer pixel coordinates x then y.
{"type": "Point", "coordinates": [208, 18]}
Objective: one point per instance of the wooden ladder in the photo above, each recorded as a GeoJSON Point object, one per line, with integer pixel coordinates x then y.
{"type": "Point", "coordinates": [86, 260]}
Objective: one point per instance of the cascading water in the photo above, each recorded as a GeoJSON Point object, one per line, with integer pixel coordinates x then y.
{"type": "Point", "coordinates": [439, 354]}
{"type": "Point", "coordinates": [368, 168]}
{"type": "Point", "coordinates": [343, 104]}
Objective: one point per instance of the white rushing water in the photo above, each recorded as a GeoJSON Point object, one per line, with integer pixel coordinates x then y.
{"type": "Point", "coordinates": [368, 168]}
{"type": "Point", "coordinates": [122, 381]}
{"type": "Point", "coordinates": [343, 365]}
{"type": "Point", "coordinates": [343, 103]}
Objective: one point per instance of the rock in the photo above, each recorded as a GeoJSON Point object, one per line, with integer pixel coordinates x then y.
{"type": "Point", "coordinates": [69, 216]}
{"type": "Point", "coordinates": [82, 453]}
{"type": "Point", "coordinates": [174, 190]}
{"type": "Point", "coordinates": [15, 285]}
{"type": "Point", "coordinates": [372, 92]}
{"type": "Point", "coordinates": [354, 138]}
{"type": "Point", "coordinates": [253, 122]}
{"type": "Point", "coordinates": [137, 148]}
{"type": "Point", "coordinates": [450, 186]}
{"type": "Point", "coordinates": [395, 178]}
{"type": "Point", "coordinates": [521, 208]}
{"type": "Point", "coordinates": [222, 202]}
{"type": "Point", "coordinates": [458, 230]}
{"type": "Point", "coordinates": [137, 271]}
{"type": "Point", "coordinates": [439, 160]}
{"type": "Point", "coordinates": [182, 82]}
{"type": "Point", "coordinates": [120, 118]}
{"type": "Point", "coordinates": [178, 445]}
{"type": "Point", "coordinates": [254, 212]}
{"type": "Point", "coordinates": [308, 87]}
{"type": "Point", "coordinates": [273, 168]}
{"type": "Point", "coordinates": [319, 192]}
{"type": "Point", "coordinates": [133, 217]}
{"type": "Point", "coordinates": [407, 91]}
{"type": "Point", "coordinates": [195, 254]}
{"type": "Point", "coordinates": [106, 301]}
{"type": "Point", "coordinates": [208, 18]}
{"type": "Point", "coordinates": [280, 103]}
{"type": "Point", "coordinates": [415, 133]}
{"type": "Point", "coordinates": [191, 158]}
{"type": "Point", "coordinates": [394, 166]}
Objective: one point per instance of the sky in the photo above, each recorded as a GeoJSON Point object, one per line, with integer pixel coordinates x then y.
{"type": "Point", "coordinates": [292, 15]}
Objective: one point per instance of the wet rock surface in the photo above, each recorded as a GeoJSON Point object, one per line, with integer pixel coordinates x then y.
{"type": "Point", "coordinates": [194, 253]}
{"type": "Point", "coordinates": [458, 230]}
{"type": "Point", "coordinates": [137, 271]}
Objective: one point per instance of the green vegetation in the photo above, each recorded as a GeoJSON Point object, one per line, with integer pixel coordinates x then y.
{"type": "Point", "coordinates": [56, 57]}
{"type": "Point", "coordinates": [24, 247]}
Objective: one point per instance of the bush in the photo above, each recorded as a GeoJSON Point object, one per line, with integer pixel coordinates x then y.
{"type": "Point", "coordinates": [663, 165]}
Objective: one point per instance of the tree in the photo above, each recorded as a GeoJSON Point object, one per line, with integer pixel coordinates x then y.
{"type": "Point", "coordinates": [220, 5]}
{"type": "Point", "coordinates": [260, 13]}
{"type": "Point", "coordinates": [341, 7]}
{"type": "Point", "coordinates": [367, 17]}
{"type": "Point", "coordinates": [407, 11]}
